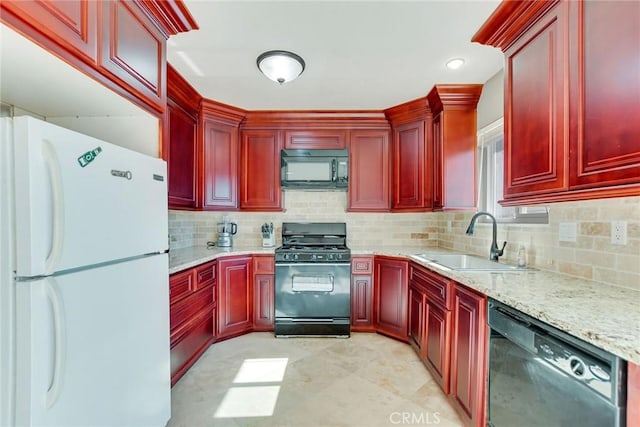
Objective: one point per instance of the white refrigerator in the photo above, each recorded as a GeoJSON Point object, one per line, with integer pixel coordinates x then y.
{"type": "Point", "coordinates": [84, 308]}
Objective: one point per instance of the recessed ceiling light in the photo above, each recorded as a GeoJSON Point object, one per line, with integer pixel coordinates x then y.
{"type": "Point", "coordinates": [455, 63]}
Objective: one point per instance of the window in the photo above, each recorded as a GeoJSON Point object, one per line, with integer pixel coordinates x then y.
{"type": "Point", "coordinates": [491, 180]}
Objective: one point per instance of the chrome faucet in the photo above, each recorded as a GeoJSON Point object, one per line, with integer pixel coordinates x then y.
{"type": "Point", "coordinates": [495, 252]}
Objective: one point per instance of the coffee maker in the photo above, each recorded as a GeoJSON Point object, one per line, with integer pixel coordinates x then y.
{"type": "Point", "coordinates": [226, 230]}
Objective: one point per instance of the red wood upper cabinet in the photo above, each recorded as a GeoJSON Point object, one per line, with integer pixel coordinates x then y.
{"type": "Point", "coordinates": [468, 355]}
{"type": "Point", "coordinates": [391, 284]}
{"type": "Point", "coordinates": [67, 27]}
{"type": "Point", "coordinates": [572, 122]}
{"type": "Point", "coordinates": [369, 171]}
{"type": "Point", "coordinates": [409, 166]}
{"type": "Point", "coordinates": [219, 156]}
{"type": "Point", "coordinates": [180, 144]}
{"type": "Point", "coordinates": [235, 296]}
{"type": "Point", "coordinates": [260, 166]}
{"type": "Point", "coordinates": [453, 132]}
{"type": "Point", "coordinates": [180, 154]}
{"type": "Point", "coordinates": [315, 139]}
{"type": "Point", "coordinates": [535, 117]}
{"type": "Point", "coordinates": [604, 94]}
{"type": "Point", "coordinates": [134, 51]}
{"type": "Point", "coordinates": [412, 156]}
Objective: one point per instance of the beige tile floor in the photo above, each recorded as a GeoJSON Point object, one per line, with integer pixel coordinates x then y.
{"type": "Point", "coordinates": [258, 380]}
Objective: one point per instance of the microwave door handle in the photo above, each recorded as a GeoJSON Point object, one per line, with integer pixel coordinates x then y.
{"type": "Point", "coordinates": [334, 170]}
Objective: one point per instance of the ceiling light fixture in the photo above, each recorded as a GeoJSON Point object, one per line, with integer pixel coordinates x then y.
{"type": "Point", "coordinates": [280, 65]}
{"type": "Point", "coordinates": [454, 64]}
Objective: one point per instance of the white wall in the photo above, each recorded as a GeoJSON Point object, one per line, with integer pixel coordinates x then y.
{"type": "Point", "coordinates": [491, 105]}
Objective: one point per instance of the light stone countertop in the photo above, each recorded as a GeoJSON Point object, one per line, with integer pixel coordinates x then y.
{"type": "Point", "coordinates": [604, 315]}
{"type": "Point", "coordinates": [181, 259]}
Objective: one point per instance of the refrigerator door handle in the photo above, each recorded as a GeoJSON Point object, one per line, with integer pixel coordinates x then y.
{"type": "Point", "coordinates": [53, 295]}
{"type": "Point", "coordinates": [57, 230]}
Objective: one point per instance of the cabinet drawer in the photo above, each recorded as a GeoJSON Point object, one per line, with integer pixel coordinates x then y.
{"type": "Point", "coordinates": [184, 311]}
{"type": "Point", "coordinates": [362, 265]}
{"type": "Point", "coordinates": [323, 139]}
{"type": "Point", "coordinates": [205, 275]}
{"type": "Point", "coordinates": [180, 285]}
{"type": "Point", "coordinates": [263, 264]}
{"type": "Point", "coordinates": [190, 344]}
{"type": "Point", "coordinates": [437, 287]}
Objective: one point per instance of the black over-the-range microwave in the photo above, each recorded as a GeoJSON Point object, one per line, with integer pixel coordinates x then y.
{"type": "Point", "coordinates": [314, 169]}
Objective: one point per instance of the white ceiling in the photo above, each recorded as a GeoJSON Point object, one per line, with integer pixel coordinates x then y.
{"type": "Point", "coordinates": [359, 55]}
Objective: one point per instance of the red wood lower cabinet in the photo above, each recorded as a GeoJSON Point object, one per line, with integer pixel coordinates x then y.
{"type": "Point", "coordinates": [192, 296]}
{"type": "Point", "coordinates": [468, 355]}
{"type": "Point", "coordinates": [417, 302]}
{"type": "Point", "coordinates": [362, 294]}
{"type": "Point", "coordinates": [633, 395]}
{"type": "Point", "coordinates": [438, 343]}
{"type": "Point", "coordinates": [235, 296]}
{"type": "Point", "coordinates": [390, 296]}
{"type": "Point", "coordinates": [263, 293]}
{"type": "Point", "coordinates": [430, 299]}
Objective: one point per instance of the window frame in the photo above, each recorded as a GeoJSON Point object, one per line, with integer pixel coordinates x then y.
{"type": "Point", "coordinates": [491, 186]}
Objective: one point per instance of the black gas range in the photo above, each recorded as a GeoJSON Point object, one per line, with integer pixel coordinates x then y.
{"type": "Point", "coordinates": [313, 281]}
{"type": "Point", "coordinates": [313, 242]}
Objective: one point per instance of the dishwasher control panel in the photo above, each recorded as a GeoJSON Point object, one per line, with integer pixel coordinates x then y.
{"type": "Point", "coordinates": [577, 364]}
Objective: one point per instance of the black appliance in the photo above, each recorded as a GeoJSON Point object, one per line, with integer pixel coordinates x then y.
{"type": "Point", "coordinates": [541, 376]}
{"type": "Point", "coordinates": [314, 169]}
{"type": "Point", "coordinates": [313, 281]}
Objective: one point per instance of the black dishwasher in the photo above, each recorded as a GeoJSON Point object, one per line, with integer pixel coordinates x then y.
{"type": "Point", "coordinates": [541, 376]}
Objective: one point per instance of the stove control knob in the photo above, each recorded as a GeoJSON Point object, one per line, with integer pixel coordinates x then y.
{"type": "Point", "coordinates": [286, 256]}
{"type": "Point", "coordinates": [296, 256]}
{"type": "Point", "coordinates": [330, 256]}
{"type": "Point", "coordinates": [339, 256]}
{"type": "Point", "coordinates": [313, 256]}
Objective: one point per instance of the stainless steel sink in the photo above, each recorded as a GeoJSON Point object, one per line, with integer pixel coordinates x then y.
{"type": "Point", "coordinates": [466, 262]}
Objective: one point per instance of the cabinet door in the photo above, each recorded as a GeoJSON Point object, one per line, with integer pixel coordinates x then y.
{"type": "Point", "coordinates": [188, 347]}
{"type": "Point", "coordinates": [468, 355]}
{"type": "Point", "coordinates": [409, 166]}
{"type": "Point", "coordinates": [535, 149]}
{"type": "Point", "coordinates": [605, 94]}
{"type": "Point", "coordinates": [633, 395]}
{"type": "Point", "coordinates": [134, 52]}
{"type": "Point", "coordinates": [260, 181]}
{"type": "Point", "coordinates": [416, 320]}
{"type": "Point", "coordinates": [263, 316]}
{"type": "Point", "coordinates": [219, 165]}
{"type": "Point", "coordinates": [391, 294]}
{"type": "Point", "coordinates": [438, 168]}
{"type": "Point", "coordinates": [181, 157]}
{"type": "Point", "coordinates": [69, 27]}
{"type": "Point", "coordinates": [235, 296]}
{"type": "Point", "coordinates": [361, 303]}
{"type": "Point", "coordinates": [437, 343]}
{"type": "Point", "coordinates": [316, 139]}
{"type": "Point", "coordinates": [369, 178]}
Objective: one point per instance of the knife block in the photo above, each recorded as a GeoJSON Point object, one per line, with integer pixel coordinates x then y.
{"type": "Point", "coordinates": [269, 241]}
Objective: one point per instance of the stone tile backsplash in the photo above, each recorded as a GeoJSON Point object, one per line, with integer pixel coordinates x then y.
{"type": "Point", "coordinates": [592, 256]}
{"type": "Point", "coordinates": [364, 230]}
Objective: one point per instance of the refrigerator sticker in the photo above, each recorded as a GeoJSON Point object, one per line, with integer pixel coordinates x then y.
{"type": "Point", "coordinates": [89, 156]}
{"type": "Point", "coordinates": [122, 174]}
